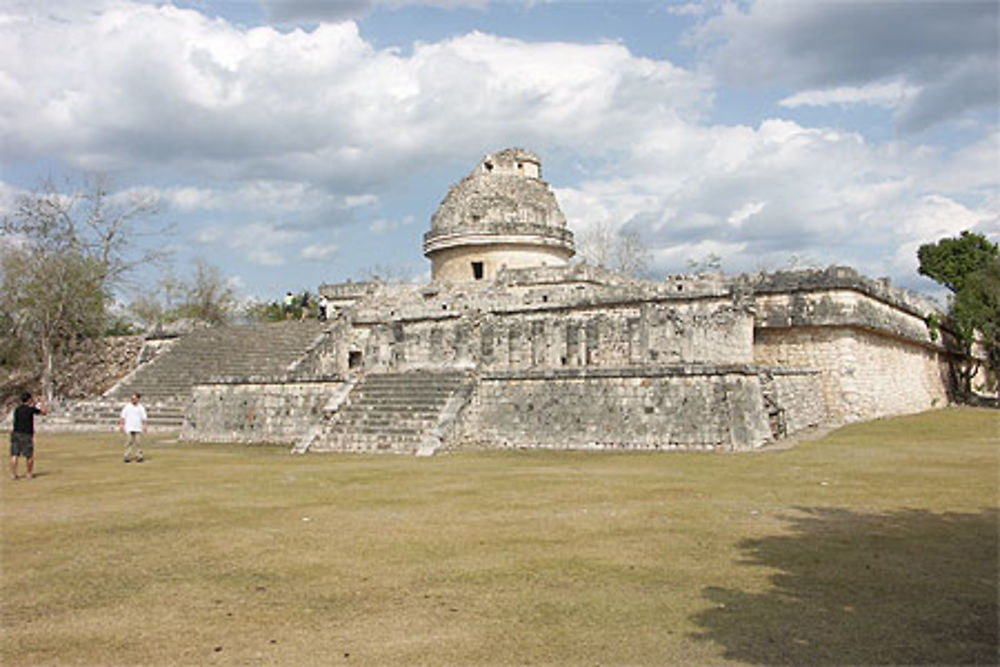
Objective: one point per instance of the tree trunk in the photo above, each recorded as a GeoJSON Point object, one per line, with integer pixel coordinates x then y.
{"type": "Point", "coordinates": [48, 370]}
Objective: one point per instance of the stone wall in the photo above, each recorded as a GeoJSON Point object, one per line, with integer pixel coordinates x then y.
{"type": "Point", "coordinates": [460, 264]}
{"type": "Point", "coordinates": [92, 368]}
{"type": "Point", "coordinates": [548, 331]}
{"type": "Point", "coordinates": [862, 374]}
{"type": "Point", "coordinates": [257, 411]}
{"type": "Point", "coordinates": [790, 397]}
{"type": "Point", "coordinates": [576, 357]}
{"type": "Point", "coordinates": [841, 307]}
{"type": "Point", "coordinates": [668, 408]}
{"type": "Point", "coordinates": [870, 343]}
{"type": "Point", "coordinates": [616, 335]}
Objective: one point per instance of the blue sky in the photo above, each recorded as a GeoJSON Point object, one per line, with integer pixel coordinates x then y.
{"type": "Point", "coordinates": [296, 142]}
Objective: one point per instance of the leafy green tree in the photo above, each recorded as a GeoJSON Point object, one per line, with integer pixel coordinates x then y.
{"type": "Point", "coordinates": [976, 308]}
{"type": "Point", "coordinates": [62, 253]}
{"type": "Point", "coordinates": [10, 345]}
{"type": "Point", "coordinates": [951, 261]}
{"type": "Point", "coordinates": [969, 266]}
{"type": "Point", "coordinates": [264, 311]}
{"type": "Point", "coordinates": [274, 311]}
{"type": "Point", "coordinates": [52, 298]}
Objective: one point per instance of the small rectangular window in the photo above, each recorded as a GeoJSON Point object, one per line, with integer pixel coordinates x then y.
{"type": "Point", "coordinates": [477, 270]}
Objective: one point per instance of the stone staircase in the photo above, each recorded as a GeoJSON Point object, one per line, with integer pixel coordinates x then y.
{"type": "Point", "coordinates": [166, 382]}
{"type": "Point", "coordinates": [104, 414]}
{"type": "Point", "coordinates": [400, 413]}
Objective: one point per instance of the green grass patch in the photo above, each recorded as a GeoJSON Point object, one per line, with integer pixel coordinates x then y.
{"type": "Point", "coordinates": [876, 544]}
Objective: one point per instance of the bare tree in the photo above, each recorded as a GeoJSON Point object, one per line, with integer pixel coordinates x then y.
{"type": "Point", "coordinates": [61, 256]}
{"type": "Point", "coordinates": [208, 297]}
{"type": "Point", "coordinates": [709, 263]}
{"type": "Point", "coordinates": [620, 250]}
{"type": "Point", "coordinates": [387, 273]}
{"type": "Point", "coordinates": [594, 245]}
{"type": "Point", "coordinates": [631, 254]}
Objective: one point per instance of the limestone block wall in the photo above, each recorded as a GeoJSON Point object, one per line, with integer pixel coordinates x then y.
{"type": "Point", "coordinates": [791, 395]}
{"type": "Point", "coordinates": [623, 335]}
{"type": "Point", "coordinates": [256, 411]}
{"type": "Point", "coordinates": [323, 358]}
{"type": "Point", "coordinates": [553, 336]}
{"type": "Point", "coordinates": [862, 374]}
{"type": "Point", "coordinates": [839, 307]}
{"type": "Point", "coordinates": [707, 408]}
{"type": "Point", "coordinates": [439, 343]}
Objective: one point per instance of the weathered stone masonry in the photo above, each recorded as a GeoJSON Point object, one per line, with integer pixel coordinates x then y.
{"type": "Point", "coordinates": [870, 343]}
{"type": "Point", "coordinates": [511, 346]}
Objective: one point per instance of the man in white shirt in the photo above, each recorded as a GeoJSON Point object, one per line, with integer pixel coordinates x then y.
{"type": "Point", "coordinates": [133, 424]}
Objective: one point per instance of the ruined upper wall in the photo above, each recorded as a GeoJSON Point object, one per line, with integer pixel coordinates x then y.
{"type": "Point", "coordinates": [552, 288]}
{"type": "Point", "coordinates": [839, 278]}
{"type": "Point", "coordinates": [840, 296]}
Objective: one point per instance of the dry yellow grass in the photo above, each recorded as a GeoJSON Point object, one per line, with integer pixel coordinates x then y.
{"type": "Point", "coordinates": [877, 544]}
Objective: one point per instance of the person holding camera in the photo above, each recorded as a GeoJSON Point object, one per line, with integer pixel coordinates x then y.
{"type": "Point", "coordinates": [22, 435]}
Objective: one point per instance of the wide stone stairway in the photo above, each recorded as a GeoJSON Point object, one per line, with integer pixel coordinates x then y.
{"type": "Point", "coordinates": [401, 413]}
{"type": "Point", "coordinates": [166, 382]}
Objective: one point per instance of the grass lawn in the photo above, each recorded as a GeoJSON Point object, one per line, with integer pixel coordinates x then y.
{"type": "Point", "coordinates": [876, 544]}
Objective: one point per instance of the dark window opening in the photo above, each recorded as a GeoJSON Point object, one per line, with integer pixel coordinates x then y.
{"type": "Point", "coordinates": [354, 359]}
{"type": "Point", "coordinates": [477, 270]}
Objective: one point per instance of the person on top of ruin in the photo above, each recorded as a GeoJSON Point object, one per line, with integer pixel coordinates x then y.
{"type": "Point", "coordinates": [305, 307]}
{"type": "Point", "coordinates": [22, 435]}
{"type": "Point", "coordinates": [288, 304]}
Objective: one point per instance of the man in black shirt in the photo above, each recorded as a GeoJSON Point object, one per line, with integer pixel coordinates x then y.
{"type": "Point", "coordinates": [22, 436]}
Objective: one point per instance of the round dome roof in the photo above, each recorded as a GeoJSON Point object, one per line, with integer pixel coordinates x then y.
{"type": "Point", "coordinates": [504, 189]}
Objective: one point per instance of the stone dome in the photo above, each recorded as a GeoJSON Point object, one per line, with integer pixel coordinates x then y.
{"type": "Point", "coordinates": [501, 215]}
{"type": "Point", "coordinates": [505, 188]}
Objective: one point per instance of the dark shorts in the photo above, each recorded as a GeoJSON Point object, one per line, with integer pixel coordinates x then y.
{"type": "Point", "coordinates": [22, 444]}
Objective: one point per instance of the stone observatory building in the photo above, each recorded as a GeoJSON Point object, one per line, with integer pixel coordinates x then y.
{"type": "Point", "coordinates": [502, 215]}
{"type": "Point", "coordinates": [511, 345]}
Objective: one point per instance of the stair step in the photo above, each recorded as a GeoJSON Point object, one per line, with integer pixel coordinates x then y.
{"type": "Point", "coordinates": [230, 351]}
{"type": "Point", "coordinates": [390, 412]}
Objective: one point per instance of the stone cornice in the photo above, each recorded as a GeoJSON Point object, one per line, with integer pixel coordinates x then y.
{"type": "Point", "coordinates": [515, 234]}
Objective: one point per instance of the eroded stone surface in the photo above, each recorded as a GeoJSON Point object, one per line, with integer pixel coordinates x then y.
{"type": "Point", "coordinates": [562, 355]}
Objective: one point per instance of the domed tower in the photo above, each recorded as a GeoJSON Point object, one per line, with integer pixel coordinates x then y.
{"type": "Point", "coordinates": [501, 215]}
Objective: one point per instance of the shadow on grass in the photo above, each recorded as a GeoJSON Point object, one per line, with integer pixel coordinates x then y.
{"type": "Point", "coordinates": [908, 587]}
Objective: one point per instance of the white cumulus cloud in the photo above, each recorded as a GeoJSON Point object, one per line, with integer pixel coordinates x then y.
{"type": "Point", "coordinates": [261, 140]}
{"type": "Point", "coordinates": [880, 94]}
{"type": "Point", "coordinates": [944, 52]}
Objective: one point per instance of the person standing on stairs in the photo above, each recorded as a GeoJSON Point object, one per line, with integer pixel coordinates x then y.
{"type": "Point", "coordinates": [133, 424]}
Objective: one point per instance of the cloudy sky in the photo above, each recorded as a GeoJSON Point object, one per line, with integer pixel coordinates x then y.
{"type": "Point", "coordinates": [296, 142]}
